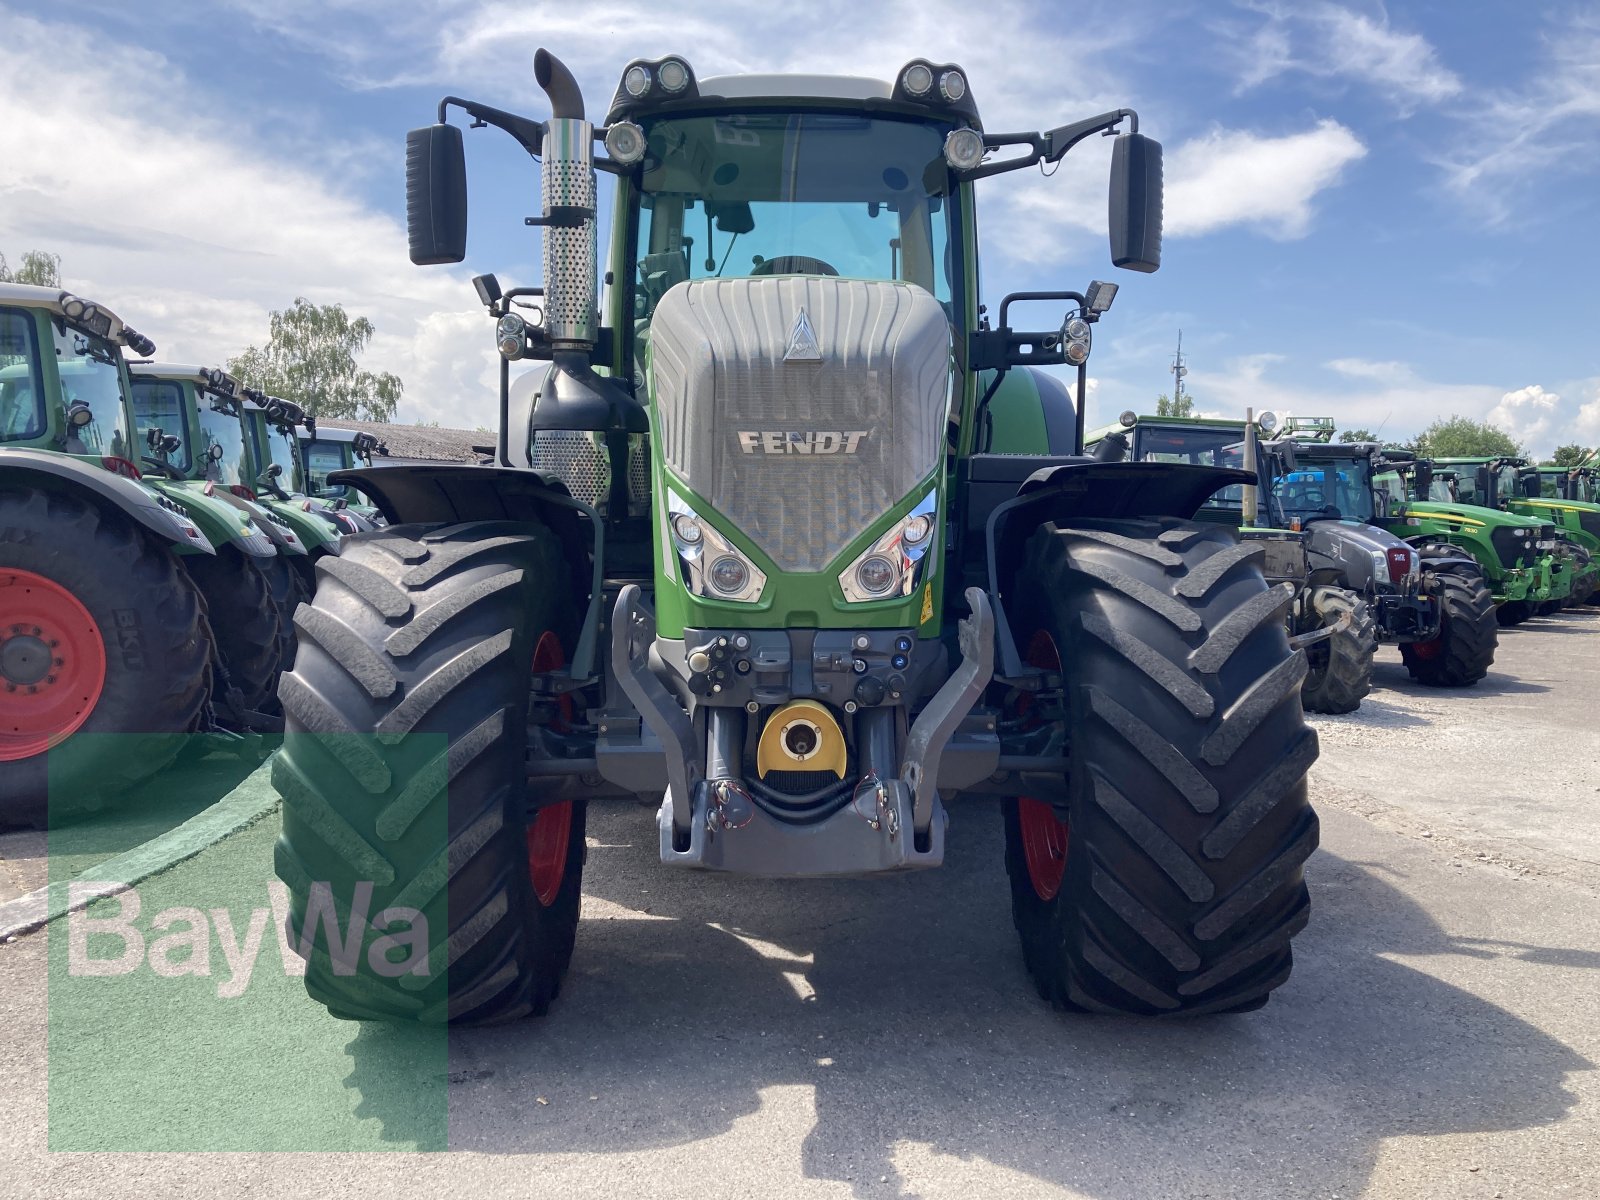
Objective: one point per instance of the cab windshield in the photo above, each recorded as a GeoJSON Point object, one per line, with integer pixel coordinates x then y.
{"type": "Point", "coordinates": [222, 443]}
{"type": "Point", "coordinates": [92, 375]}
{"type": "Point", "coordinates": [1337, 489]}
{"type": "Point", "coordinates": [1509, 485]}
{"type": "Point", "coordinates": [1198, 446]}
{"type": "Point", "coordinates": [159, 404]}
{"type": "Point", "coordinates": [22, 412]}
{"type": "Point", "coordinates": [321, 459]}
{"type": "Point", "coordinates": [791, 193]}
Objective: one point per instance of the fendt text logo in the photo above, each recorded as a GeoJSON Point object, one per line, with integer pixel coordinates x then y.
{"type": "Point", "coordinates": [811, 441]}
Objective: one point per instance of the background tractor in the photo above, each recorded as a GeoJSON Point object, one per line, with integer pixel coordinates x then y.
{"type": "Point", "coordinates": [1516, 485]}
{"type": "Point", "coordinates": [103, 630]}
{"type": "Point", "coordinates": [277, 472]}
{"type": "Point", "coordinates": [1423, 504]}
{"type": "Point", "coordinates": [1327, 617]}
{"type": "Point", "coordinates": [324, 450]}
{"type": "Point", "coordinates": [747, 539]}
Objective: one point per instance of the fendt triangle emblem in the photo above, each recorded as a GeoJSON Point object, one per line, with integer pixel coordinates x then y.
{"type": "Point", "coordinates": [802, 341]}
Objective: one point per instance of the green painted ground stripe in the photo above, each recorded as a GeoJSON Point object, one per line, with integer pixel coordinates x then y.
{"type": "Point", "coordinates": [246, 804]}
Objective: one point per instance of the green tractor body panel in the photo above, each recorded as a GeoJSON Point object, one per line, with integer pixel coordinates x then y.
{"type": "Point", "coordinates": [265, 445]}
{"type": "Point", "coordinates": [1505, 547]}
{"type": "Point", "coordinates": [1499, 482]}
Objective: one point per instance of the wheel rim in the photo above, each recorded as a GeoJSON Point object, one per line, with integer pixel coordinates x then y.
{"type": "Point", "coordinates": [551, 829]}
{"type": "Point", "coordinates": [1044, 835]}
{"type": "Point", "coordinates": [52, 665]}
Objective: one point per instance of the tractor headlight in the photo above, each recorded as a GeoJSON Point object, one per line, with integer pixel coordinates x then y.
{"type": "Point", "coordinates": [625, 143]}
{"type": "Point", "coordinates": [708, 563]}
{"type": "Point", "coordinates": [1128, 419]}
{"type": "Point", "coordinates": [894, 564]}
{"type": "Point", "coordinates": [512, 332]}
{"type": "Point", "coordinates": [1075, 341]}
{"type": "Point", "coordinates": [1268, 421]}
{"type": "Point", "coordinates": [963, 149]}
{"type": "Point", "coordinates": [672, 75]}
{"type": "Point", "coordinates": [918, 79]}
{"type": "Point", "coordinates": [952, 85]}
{"type": "Point", "coordinates": [636, 81]}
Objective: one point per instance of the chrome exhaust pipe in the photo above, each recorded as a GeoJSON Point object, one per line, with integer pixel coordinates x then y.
{"type": "Point", "coordinates": [571, 317]}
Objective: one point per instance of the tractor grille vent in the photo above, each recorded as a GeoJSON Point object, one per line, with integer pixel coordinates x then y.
{"type": "Point", "coordinates": [1511, 549]}
{"type": "Point", "coordinates": [578, 458]}
{"type": "Point", "coordinates": [1590, 523]}
{"type": "Point", "coordinates": [801, 408]}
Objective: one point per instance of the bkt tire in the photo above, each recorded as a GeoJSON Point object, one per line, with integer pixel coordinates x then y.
{"type": "Point", "coordinates": [1339, 668]}
{"type": "Point", "coordinates": [1167, 878]}
{"type": "Point", "coordinates": [109, 633]}
{"type": "Point", "coordinates": [244, 624]}
{"type": "Point", "coordinates": [287, 585]}
{"type": "Point", "coordinates": [1464, 650]}
{"type": "Point", "coordinates": [1513, 612]}
{"type": "Point", "coordinates": [404, 779]}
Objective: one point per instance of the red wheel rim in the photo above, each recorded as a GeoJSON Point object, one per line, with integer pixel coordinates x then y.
{"type": "Point", "coordinates": [1427, 650]}
{"type": "Point", "coordinates": [1044, 835]}
{"type": "Point", "coordinates": [551, 830]}
{"type": "Point", "coordinates": [52, 664]}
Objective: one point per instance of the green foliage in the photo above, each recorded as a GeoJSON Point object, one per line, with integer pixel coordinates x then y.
{"type": "Point", "coordinates": [1569, 455]}
{"type": "Point", "coordinates": [39, 267]}
{"type": "Point", "coordinates": [310, 358]}
{"type": "Point", "coordinates": [1183, 406]}
{"type": "Point", "coordinates": [1462, 437]}
{"type": "Point", "coordinates": [1358, 435]}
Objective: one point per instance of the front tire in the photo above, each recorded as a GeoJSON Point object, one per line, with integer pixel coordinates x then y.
{"type": "Point", "coordinates": [131, 645]}
{"type": "Point", "coordinates": [1171, 882]}
{"type": "Point", "coordinates": [1339, 668]}
{"type": "Point", "coordinates": [244, 623]}
{"type": "Point", "coordinates": [1513, 612]}
{"type": "Point", "coordinates": [1468, 635]}
{"type": "Point", "coordinates": [404, 770]}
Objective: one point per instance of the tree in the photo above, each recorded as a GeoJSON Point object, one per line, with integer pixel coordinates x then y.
{"type": "Point", "coordinates": [1358, 435]}
{"type": "Point", "coordinates": [1183, 406]}
{"type": "Point", "coordinates": [1462, 437]}
{"type": "Point", "coordinates": [39, 267]}
{"type": "Point", "coordinates": [1569, 455]}
{"type": "Point", "coordinates": [310, 358]}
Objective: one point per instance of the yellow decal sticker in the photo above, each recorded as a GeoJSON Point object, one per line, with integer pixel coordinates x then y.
{"type": "Point", "coordinates": [927, 603]}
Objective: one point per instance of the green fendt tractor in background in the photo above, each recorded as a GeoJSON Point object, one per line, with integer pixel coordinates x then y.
{"type": "Point", "coordinates": [1516, 554]}
{"type": "Point", "coordinates": [1327, 617]}
{"type": "Point", "coordinates": [325, 449]}
{"type": "Point", "coordinates": [827, 611]}
{"type": "Point", "coordinates": [1516, 485]}
{"type": "Point", "coordinates": [190, 416]}
{"type": "Point", "coordinates": [102, 629]}
{"type": "Point", "coordinates": [277, 472]}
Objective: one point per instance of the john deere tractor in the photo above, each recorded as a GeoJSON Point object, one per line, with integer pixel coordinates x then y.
{"type": "Point", "coordinates": [741, 553]}
{"type": "Point", "coordinates": [1434, 505]}
{"type": "Point", "coordinates": [1516, 485]}
{"type": "Point", "coordinates": [103, 630]}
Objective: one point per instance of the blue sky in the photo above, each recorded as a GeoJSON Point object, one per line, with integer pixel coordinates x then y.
{"type": "Point", "coordinates": [1385, 213]}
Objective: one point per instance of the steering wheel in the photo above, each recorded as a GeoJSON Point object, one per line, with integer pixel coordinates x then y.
{"type": "Point", "coordinates": [793, 264]}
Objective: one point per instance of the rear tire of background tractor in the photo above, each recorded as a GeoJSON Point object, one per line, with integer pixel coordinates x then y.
{"type": "Point", "coordinates": [1339, 671]}
{"type": "Point", "coordinates": [403, 771]}
{"type": "Point", "coordinates": [133, 611]}
{"type": "Point", "coordinates": [244, 625]}
{"type": "Point", "coordinates": [1513, 612]}
{"type": "Point", "coordinates": [1464, 650]}
{"type": "Point", "coordinates": [289, 590]}
{"type": "Point", "coordinates": [1187, 822]}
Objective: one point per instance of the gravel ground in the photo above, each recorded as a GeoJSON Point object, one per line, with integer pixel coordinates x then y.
{"type": "Point", "coordinates": [878, 1037]}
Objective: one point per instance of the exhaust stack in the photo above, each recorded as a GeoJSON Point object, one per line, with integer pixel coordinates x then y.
{"type": "Point", "coordinates": [571, 317]}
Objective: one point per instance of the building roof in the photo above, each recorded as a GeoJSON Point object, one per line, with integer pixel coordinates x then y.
{"type": "Point", "coordinates": [426, 442]}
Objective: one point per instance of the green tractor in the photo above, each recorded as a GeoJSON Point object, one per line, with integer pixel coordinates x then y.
{"type": "Point", "coordinates": [1326, 613]}
{"type": "Point", "coordinates": [1516, 485]}
{"type": "Point", "coordinates": [744, 544]}
{"type": "Point", "coordinates": [324, 450]}
{"type": "Point", "coordinates": [1428, 506]}
{"type": "Point", "coordinates": [191, 418]}
{"type": "Point", "coordinates": [102, 628]}
{"type": "Point", "coordinates": [277, 473]}
{"type": "Point", "coordinates": [1580, 483]}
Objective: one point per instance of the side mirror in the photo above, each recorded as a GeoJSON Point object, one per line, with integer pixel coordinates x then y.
{"type": "Point", "coordinates": [1424, 480]}
{"type": "Point", "coordinates": [735, 216]}
{"type": "Point", "coordinates": [436, 195]}
{"type": "Point", "coordinates": [275, 470]}
{"type": "Point", "coordinates": [1135, 210]}
{"type": "Point", "coordinates": [1532, 485]}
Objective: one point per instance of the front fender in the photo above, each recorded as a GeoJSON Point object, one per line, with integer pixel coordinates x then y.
{"type": "Point", "coordinates": [52, 472]}
{"type": "Point", "coordinates": [221, 522]}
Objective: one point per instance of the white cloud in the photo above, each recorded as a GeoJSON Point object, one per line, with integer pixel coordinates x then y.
{"type": "Point", "coordinates": [191, 230]}
{"type": "Point", "coordinates": [1234, 177]}
{"type": "Point", "coordinates": [1329, 41]}
{"type": "Point", "coordinates": [1531, 415]}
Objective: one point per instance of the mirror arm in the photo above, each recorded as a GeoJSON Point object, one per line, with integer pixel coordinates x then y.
{"type": "Point", "coordinates": [1063, 138]}
{"type": "Point", "coordinates": [528, 133]}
